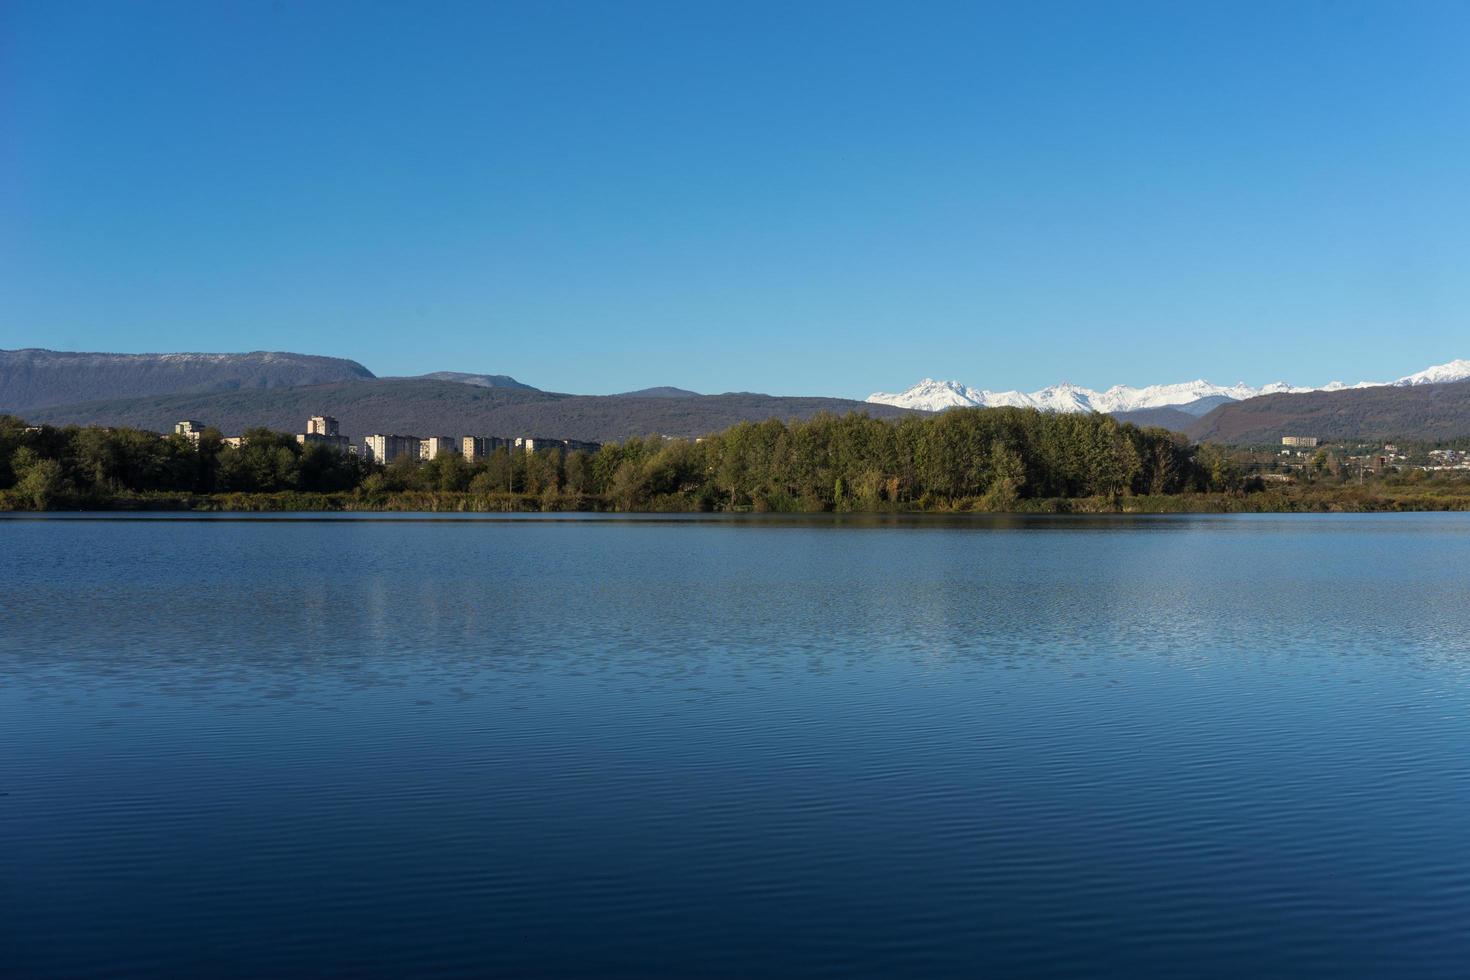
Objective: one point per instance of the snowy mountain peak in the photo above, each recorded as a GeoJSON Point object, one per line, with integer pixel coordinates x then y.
{"type": "Point", "coordinates": [939, 394]}
{"type": "Point", "coordinates": [1458, 370]}
{"type": "Point", "coordinates": [931, 395]}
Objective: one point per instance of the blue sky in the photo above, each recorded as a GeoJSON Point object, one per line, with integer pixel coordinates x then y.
{"type": "Point", "coordinates": [799, 198]}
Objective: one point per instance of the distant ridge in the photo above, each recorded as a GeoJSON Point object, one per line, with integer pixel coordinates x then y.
{"type": "Point", "coordinates": [478, 380]}
{"type": "Point", "coordinates": [1417, 410]}
{"type": "Point", "coordinates": [421, 406]}
{"type": "Point", "coordinates": [37, 378]}
{"type": "Point", "coordinates": [662, 391]}
{"type": "Point", "coordinates": [1166, 417]}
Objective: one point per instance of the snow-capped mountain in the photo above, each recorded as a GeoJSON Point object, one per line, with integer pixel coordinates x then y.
{"type": "Point", "coordinates": [1439, 374]}
{"type": "Point", "coordinates": [931, 395]}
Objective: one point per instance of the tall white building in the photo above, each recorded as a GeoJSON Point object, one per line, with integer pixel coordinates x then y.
{"type": "Point", "coordinates": [189, 429]}
{"type": "Point", "coordinates": [535, 445]}
{"type": "Point", "coordinates": [480, 447]}
{"type": "Point", "coordinates": [381, 448]}
{"type": "Point", "coordinates": [322, 430]}
{"type": "Point", "coordinates": [436, 446]}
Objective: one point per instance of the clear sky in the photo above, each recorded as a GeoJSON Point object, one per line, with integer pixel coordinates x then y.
{"type": "Point", "coordinates": [793, 197]}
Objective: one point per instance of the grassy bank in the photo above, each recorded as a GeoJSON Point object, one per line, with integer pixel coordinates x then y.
{"type": "Point", "coordinates": [1293, 499]}
{"type": "Point", "coordinates": [295, 501]}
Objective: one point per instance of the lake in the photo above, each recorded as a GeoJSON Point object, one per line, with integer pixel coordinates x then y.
{"type": "Point", "coordinates": [700, 746]}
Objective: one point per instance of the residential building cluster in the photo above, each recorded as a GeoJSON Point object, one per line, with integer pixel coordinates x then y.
{"type": "Point", "coordinates": [1362, 459]}
{"type": "Point", "coordinates": [192, 430]}
{"type": "Point", "coordinates": [385, 448]}
{"type": "Point", "coordinates": [1448, 459]}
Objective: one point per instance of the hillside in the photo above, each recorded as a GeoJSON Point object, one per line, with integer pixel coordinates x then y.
{"type": "Point", "coordinates": [36, 378]}
{"type": "Point", "coordinates": [479, 380]}
{"type": "Point", "coordinates": [1174, 419]}
{"type": "Point", "coordinates": [1426, 411]}
{"type": "Point", "coordinates": [427, 407]}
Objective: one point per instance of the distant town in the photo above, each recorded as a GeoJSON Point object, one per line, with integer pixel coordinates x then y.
{"type": "Point", "coordinates": [323, 430]}
{"type": "Point", "coordinates": [1301, 456]}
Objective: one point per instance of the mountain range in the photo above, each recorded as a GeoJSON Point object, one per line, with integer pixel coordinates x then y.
{"type": "Point", "coordinates": [280, 390]}
{"type": "Point", "coordinates": [424, 407]}
{"type": "Point", "coordinates": [1190, 397]}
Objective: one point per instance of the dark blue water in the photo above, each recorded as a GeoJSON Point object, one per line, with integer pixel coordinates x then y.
{"type": "Point", "coordinates": [1216, 746]}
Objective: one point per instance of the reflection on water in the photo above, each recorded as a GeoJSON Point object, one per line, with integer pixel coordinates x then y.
{"type": "Point", "coordinates": [563, 745]}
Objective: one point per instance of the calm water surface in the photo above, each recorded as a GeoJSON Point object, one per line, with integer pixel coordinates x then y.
{"type": "Point", "coordinates": [1207, 746]}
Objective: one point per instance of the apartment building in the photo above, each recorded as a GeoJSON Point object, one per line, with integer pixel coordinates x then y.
{"type": "Point", "coordinates": [190, 429]}
{"type": "Point", "coordinates": [435, 446]}
{"type": "Point", "coordinates": [480, 447]}
{"type": "Point", "coordinates": [322, 430]}
{"type": "Point", "coordinates": [535, 444]}
{"type": "Point", "coordinates": [382, 448]}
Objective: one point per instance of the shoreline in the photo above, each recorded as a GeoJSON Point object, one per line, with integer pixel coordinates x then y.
{"type": "Point", "coordinates": [1297, 500]}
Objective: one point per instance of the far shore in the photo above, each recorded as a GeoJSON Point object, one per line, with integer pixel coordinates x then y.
{"type": "Point", "coordinates": [1296, 499]}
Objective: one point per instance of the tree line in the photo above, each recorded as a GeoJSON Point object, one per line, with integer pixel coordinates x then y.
{"type": "Point", "coordinates": [42, 466]}
{"type": "Point", "coordinates": [960, 459]}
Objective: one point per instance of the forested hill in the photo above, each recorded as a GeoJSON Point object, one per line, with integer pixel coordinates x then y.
{"type": "Point", "coordinates": [426, 407]}
{"type": "Point", "coordinates": [1163, 417]}
{"type": "Point", "coordinates": [36, 378]}
{"type": "Point", "coordinates": [1420, 412]}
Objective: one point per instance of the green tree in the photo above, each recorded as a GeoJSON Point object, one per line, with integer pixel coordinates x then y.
{"type": "Point", "coordinates": [1008, 477]}
{"type": "Point", "coordinates": [41, 483]}
{"type": "Point", "coordinates": [578, 472]}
